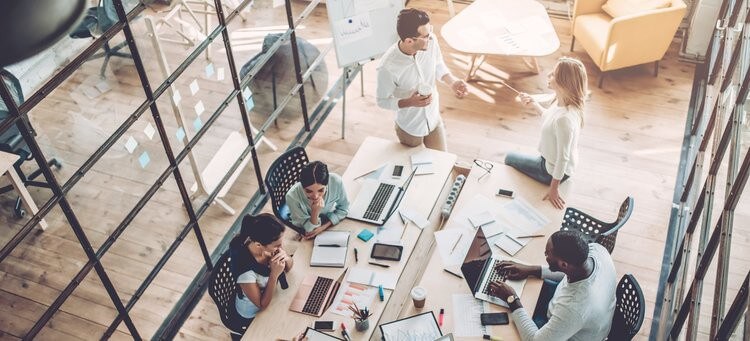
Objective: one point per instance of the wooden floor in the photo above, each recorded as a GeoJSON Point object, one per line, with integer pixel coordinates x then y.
{"type": "Point", "coordinates": [629, 146]}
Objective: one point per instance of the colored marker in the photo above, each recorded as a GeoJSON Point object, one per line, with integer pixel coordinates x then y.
{"type": "Point", "coordinates": [381, 293]}
{"type": "Point", "coordinates": [344, 333]}
{"type": "Point", "coordinates": [440, 317]}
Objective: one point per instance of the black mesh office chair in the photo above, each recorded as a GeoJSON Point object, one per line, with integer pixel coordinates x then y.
{"type": "Point", "coordinates": [630, 310]}
{"type": "Point", "coordinates": [11, 141]}
{"type": "Point", "coordinates": [96, 21]}
{"type": "Point", "coordinates": [283, 173]}
{"type": "Point", "coordinates": [223, 289]}
{"type": "Point", "coordinates": [596, 230]}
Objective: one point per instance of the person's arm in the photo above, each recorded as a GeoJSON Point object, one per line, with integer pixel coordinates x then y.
{"type": "Point", "coordinates": [563, 324]}
{"type": "Point", "coordinates": [564, 131]}
{"type": "Point", "coordinates": [441, 70]}
{"type": "Point", "coordinates": [556, 276]}
{"type": "Point", "coordinates": [338, 193]}
{"type": "Point", "coordinates": [385, 89]}
{"type": "Point", "coordinates": [298, 214]}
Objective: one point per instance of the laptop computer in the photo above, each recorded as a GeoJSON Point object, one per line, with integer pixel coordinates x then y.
{"type": "Point", "coordinates": [377, 200]}
{"type": "Point", "coordinates": [315, 294]}
{"type": "Point", "coordinates": [479, 270]}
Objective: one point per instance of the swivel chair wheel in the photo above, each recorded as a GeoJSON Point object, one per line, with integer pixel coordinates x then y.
{"type": "Point", "coordinates": [20, 213]}
{"type": "Point", "coordinates": [55, 163]}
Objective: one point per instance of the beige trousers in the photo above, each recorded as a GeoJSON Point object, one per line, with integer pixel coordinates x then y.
{"type": "Point", "coordinates": [435, 140]}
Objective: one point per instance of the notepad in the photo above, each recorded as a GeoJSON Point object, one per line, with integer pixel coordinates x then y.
{"type": "Point", "coordinates": [422, 161]}
{"type": "Point", "coordinates": [330, 249]}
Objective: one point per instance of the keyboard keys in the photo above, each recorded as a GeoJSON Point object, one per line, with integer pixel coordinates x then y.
{"type": "Point", "coordinates": [317, 295]}
{"type": "Point", "coordinates": [377, 204]}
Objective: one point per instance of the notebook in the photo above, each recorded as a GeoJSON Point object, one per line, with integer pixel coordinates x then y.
{"type": "Point", "coordinates": [422, 162]}
{"type": "Point", "coordinates": [330, 249]}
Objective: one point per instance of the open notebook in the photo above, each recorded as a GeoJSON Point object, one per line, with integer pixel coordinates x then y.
{"type": "Point", "coordinates": [330, 249]}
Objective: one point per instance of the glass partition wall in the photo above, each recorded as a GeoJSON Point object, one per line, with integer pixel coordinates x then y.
{"type": "Point", "coordinates": [162, 146]}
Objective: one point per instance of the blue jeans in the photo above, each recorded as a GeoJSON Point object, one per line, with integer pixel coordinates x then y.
{"type": "Point", "coordinates": [533, 166]}
{"type": "Point", "coordinates": [542, 304]}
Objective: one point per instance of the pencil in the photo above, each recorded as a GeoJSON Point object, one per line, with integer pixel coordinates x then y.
{"type": "Point", "coordinates": [531, 236]}
{"type": "Point", "coordinates": [456, 244]}
{"type": "Point", "coordinates": [510, 87]}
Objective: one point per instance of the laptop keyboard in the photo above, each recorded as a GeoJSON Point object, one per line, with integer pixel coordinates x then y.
{"type": "Point", "coordinates": [378, 201]}
{"type": "Point", "coordinates": [495, 275]}
{"type": "Point", "coordinates": [317, 295]}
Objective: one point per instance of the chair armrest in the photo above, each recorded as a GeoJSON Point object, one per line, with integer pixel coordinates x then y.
{"type": "Point", "coordinates": [641, 38]}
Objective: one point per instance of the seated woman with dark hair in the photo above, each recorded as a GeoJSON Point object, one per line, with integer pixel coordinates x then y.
{"type": "Point", "coordinates": [259, 259]}
{"type": "Point", "coordinates": [318, 201]}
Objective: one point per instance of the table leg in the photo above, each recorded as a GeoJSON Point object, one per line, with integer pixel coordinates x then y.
{"type": "Point", "coordinates": [26, 199]}
{"type": "Point", "coordinates": [532, 63]}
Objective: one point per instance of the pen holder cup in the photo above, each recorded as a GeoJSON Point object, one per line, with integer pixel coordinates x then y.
{"type": "Point", "coordinates": [362, 325]}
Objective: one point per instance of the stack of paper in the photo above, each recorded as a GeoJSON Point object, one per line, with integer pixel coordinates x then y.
{"type": "Point", "coordinates": [330, 249]}
{"type": "Point", "coordinates": [422, 161]}
{"type": "Point", "coordinates": [372, 278]}
{"type": "Point", "coordinates": [523, 219]}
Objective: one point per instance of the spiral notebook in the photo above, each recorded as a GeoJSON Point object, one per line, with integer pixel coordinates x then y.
{"type": "Point", "coordinates": [330, 249]}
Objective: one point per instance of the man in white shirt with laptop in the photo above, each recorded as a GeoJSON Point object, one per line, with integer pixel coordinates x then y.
{"type": "Point", "coordinates": [406, 82]}
{"type": "Point", "coordinates": [583, 302]}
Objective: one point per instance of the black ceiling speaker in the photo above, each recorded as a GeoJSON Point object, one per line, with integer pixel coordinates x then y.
{"type": "Point", "coordinates": [29, 26]}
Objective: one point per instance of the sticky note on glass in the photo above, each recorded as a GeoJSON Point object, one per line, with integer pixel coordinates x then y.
{"type": "Point", "coordinates": [180, 134]}
{"type": "Point", "coordinates": [130, 144]}
{"type": "Point", "coordinates": [246, 93]}
{"type": "Point", "coordinates": [176, 97]}
{"type": "Point", "coordinates": [149, 131]}
{"type": "Point", "coordinates": [194, 87]}
{"type": "Point", "coordinates": [210, 69]}
{"type": "Point", "coordinates": [144, 159]}
{"type": "Point", "coordinates": [249, 103]}
{"type": "Point", "coordinates": [197, 124]}
{"type": "Point", "coordinates": [199, 108]}
{"type": "Point", "coordinates": [103, 86]}
{"type": "Point", "coordinates": [220, 74]}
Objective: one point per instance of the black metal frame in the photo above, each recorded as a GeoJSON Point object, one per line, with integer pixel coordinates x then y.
{"type": "Point", "coordinates": [18, 114]}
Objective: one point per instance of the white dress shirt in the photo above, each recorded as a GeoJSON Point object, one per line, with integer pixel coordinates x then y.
{"type": "Point", "coordinates": [400, 74]}
{"type": "Point", "coordinates": [559, 142]}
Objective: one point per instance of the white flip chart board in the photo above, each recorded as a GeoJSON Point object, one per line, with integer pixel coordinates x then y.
{"type": "Point", "coordinates": [362, 29]}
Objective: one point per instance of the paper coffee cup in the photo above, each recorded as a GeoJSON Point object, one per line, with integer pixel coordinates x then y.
{"type": "Point", "coordinates": [424, 89]}
{"type": "Point", "coordinates": [419, 296]}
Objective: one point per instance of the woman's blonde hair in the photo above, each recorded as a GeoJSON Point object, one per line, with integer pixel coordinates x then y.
{"type": "Point", "coordinates": [570, 76]}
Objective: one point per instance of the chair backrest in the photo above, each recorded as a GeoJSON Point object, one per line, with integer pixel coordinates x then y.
{"type": "Point", "coordinates": [222, 289]}
{"type": "Point", "coordinates": [630, 309]}
{"type": "Point", "coordinates": [283, 173]}
{"type": "Point", "coordinates": [576, 220]}
{"type": "Point", "coordinates": [11, 140]}
{"type": "Point", "coordinates": [608, 237]}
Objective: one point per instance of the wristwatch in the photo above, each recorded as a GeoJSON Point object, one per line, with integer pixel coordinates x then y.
{"type": "Point", "coordinates": [513, 302]}
{"type": "Point", "coordinates": [511, 299]}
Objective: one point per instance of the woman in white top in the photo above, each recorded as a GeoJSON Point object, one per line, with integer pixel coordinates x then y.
{"type": "Point", "coordinates": [561, 124]}
{"type": "Point", "coordinates": [259, 259]}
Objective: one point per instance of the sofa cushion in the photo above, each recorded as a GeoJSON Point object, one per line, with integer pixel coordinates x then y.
{"type": "Point", "coordinates": [619, 8]}
{"type": "Point", "coordinates": [591, 32]}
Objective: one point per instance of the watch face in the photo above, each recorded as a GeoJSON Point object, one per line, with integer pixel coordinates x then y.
{"type": "Point", "coordinates": [511, 299]}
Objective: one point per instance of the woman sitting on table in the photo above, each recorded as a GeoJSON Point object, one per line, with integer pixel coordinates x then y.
{"type": "Point", "coordinates": [318, 201]}
{"type": "Point", "coordinates": [259, 259]}
{"type": "Point", "coordinates": [561, 124]}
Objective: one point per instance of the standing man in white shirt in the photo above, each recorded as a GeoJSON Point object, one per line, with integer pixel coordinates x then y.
{"type": "Point", "coordinates": [406, 82]}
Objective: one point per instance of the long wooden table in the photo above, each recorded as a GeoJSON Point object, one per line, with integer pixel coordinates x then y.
{"type": "Point", "coordinates": [441, 286]}
{"type": "Point", "coordinates": [277, 321]}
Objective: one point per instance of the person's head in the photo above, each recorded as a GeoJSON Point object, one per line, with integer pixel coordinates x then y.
{"type": "Point", "coordinates": [566, 251]}
{"type": "Point", "coordinates": [414, 29]}
{"type": "Point", "coordinates": [314, 180]}
{"type": "Point", "coordinates": [569, 81]}
{"type": "Point", "coordinates": [261, 233]}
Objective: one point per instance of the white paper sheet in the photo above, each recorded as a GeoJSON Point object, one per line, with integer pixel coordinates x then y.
{"type": "Point", "coordinates": [415, 218]}
{"type": "Point", "coordinates": [421, 327]}
{"type": "Point", "coordinates": [353, 29]}
{"type": "Point", "coordinates": [449, 237]}
{"type": "Point", "coordinates": [466, 311]}
{"type": "Point", "coordinates": [361, 6]}
{"type": "Point", "coordinates": [477, 205]}
{"type": "Point", "coordinates": [350, 293]}
{"type": "Point", "coordinates": [372, 278]}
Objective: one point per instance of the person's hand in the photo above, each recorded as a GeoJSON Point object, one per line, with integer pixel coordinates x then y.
{"type": "Point", "coordinates": [501, 290]}
{"type": "Point", "coordinates": [280, 255]}
{"type": "Point", "coordinates": [516, 271]}
{"type": "Point", "coordinates": [417, 100]}
{"type": "Point", "coordinates": [459, 88]}
{"type": "Point", "coordinates": [317, 205]}
{"type": "Point", "coordinates": [312, 234]}
{"type": "Point", "coordinates": [277, 266]}
{"type": "Point", "coordinates": [301, 336]}
{"type": "Point", "coordinates": [554, 197]}
{"type": "Point", "coordinates": [525, 98]}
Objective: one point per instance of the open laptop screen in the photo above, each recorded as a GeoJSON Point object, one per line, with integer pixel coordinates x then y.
{"type": "Point", "coordinates": [478, 254]}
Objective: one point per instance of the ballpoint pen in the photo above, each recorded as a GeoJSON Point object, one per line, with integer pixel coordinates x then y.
{"type": "Point", "coordinates": [456, 244]}
{"type": "Point", "coordinates": [531, 236]}
{"type": "Point", "coordinates": [329, 245]}
{"type": "Point", "coordinates": [356, 259]}
{"type": "Point", "coordinates": [380, 265]}
{"type": "Point", "coordinates": [492, 338]}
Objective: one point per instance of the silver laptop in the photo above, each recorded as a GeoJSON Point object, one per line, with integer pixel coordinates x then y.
{"type": "Point", "coordinates": [377, 200]}
{"type": "Point", "coordinates": [479, 270]}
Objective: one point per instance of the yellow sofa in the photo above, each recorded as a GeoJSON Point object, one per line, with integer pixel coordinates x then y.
{"type": "Point", "coordinates": [625, 40]}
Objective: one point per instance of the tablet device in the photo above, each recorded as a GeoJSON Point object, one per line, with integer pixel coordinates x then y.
{"type": "Point", "coordinates": [386, 251]}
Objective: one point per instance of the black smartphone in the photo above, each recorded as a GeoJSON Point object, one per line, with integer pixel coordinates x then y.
{"type": "Point", "coordinates": [489, 319]}
{"type": "Point", "coordinates": [505, 193]}
{"type": "Point", "coordinates": [397, 171]}
{"type": "Point", "coordinates": [326, 326]}
{"type": "Point", "coordinates": [386, 251]}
